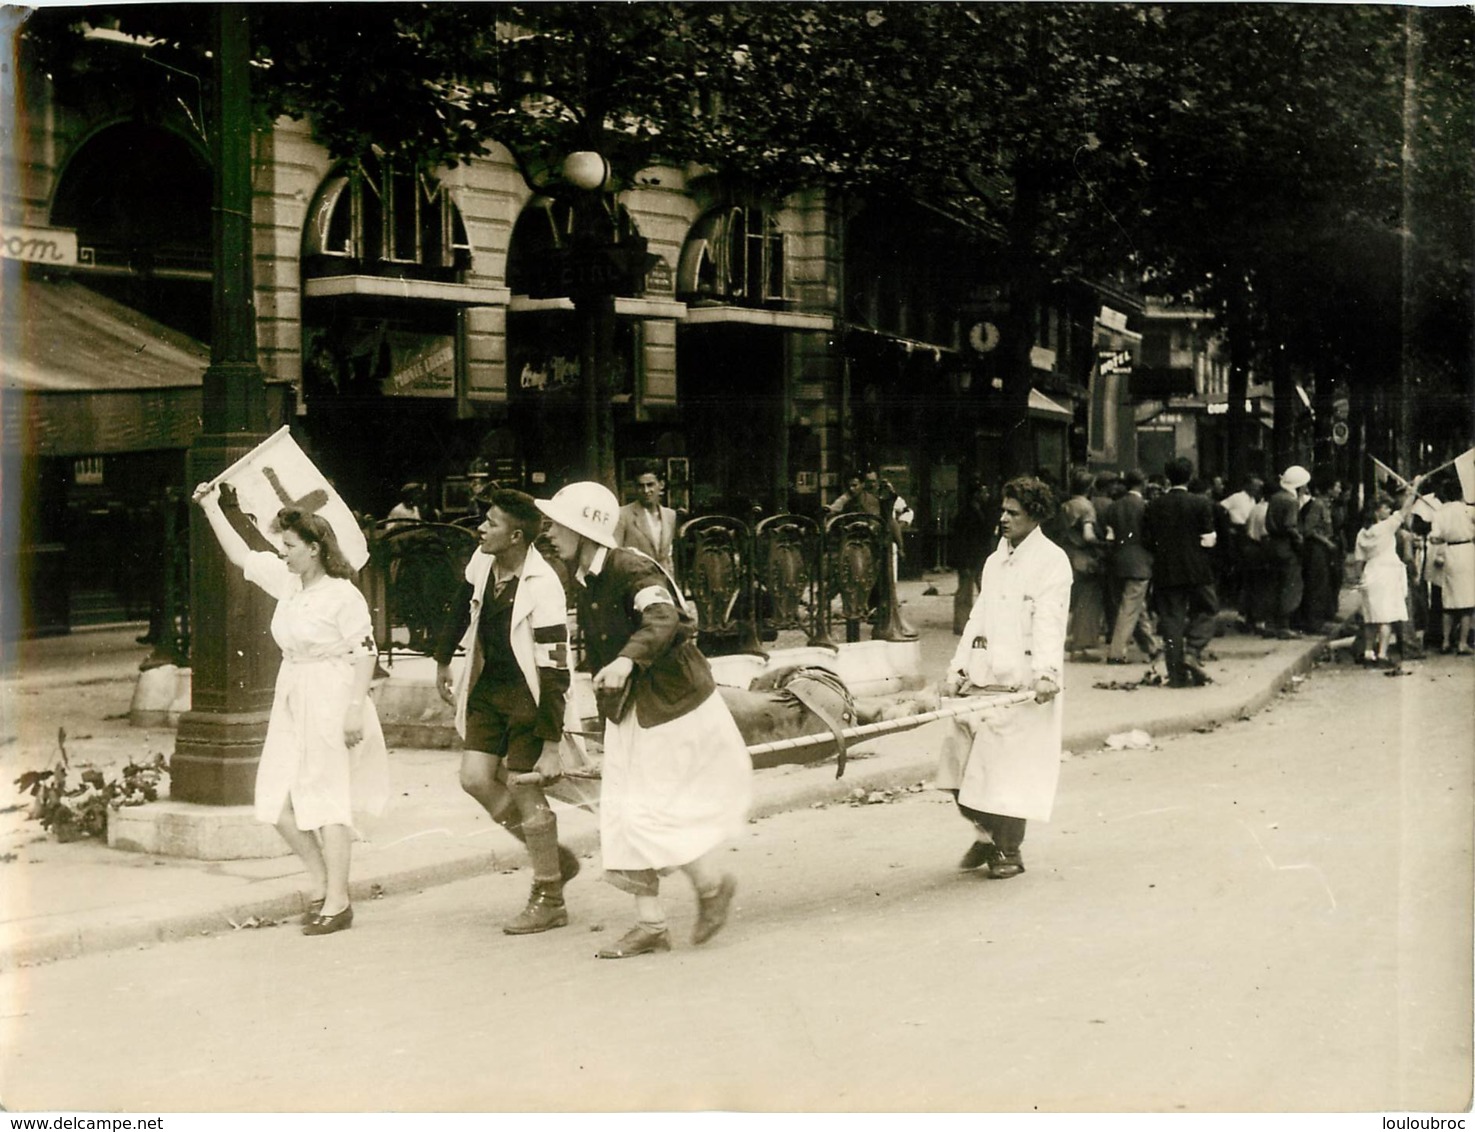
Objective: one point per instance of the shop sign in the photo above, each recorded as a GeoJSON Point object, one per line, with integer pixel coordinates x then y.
{"type": "Point", "coordinates": [56, 247]}
{"type": "Point", "coordinates": [1117, 361]}
{"type": "Point", "coordinates": [1112, 319]}
{"type": "Point", "coordinates": [421, 365]}
{"type": "Point", "coordinates": [660, 279]}
{"type": "Point", "coordinates": [1041, 358]}
{"type": "Point", "coordinates": [87, 472]}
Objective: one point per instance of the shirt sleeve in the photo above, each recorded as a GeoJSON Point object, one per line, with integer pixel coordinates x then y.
{"type": "Point", "coordinates": [355, 627]}
{"type": "Point", "coordinates": [268, 571]}
{"type": "Point", "coordinates": [654, 610]}
{"type": "Point", "coordinates": [1052, 609]}
{"type": "Point", "coordinates": [453, 628]}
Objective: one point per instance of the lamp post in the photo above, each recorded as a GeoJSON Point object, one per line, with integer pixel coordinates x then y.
{"type": "Point", "coordinates": [600, 263]}
{"type": "Point", "coordinates": [219, 740]}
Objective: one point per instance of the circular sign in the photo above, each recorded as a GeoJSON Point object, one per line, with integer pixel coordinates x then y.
{"type": "Point", "coordinates": [983, 337]}
{"type": "Point", "coordinates": [1340, 432]}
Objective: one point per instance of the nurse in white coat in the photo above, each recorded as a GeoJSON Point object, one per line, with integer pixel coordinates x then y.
{"type": "Point", "coordinates": [323, 763]}
{"type": "Point", "coordinates": [1003, 766]}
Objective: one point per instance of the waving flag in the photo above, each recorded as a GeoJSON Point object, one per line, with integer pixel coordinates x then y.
{"type": "Point", "coordinates": [1465, 469]}
{"type": "Point", "coordinates": [276, 474]}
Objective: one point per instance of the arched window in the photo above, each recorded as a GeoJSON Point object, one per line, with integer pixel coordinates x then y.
{"type": "Point", "coordinates": [735, 255]}
{"type": "Point", "coordinates": [380, 218]}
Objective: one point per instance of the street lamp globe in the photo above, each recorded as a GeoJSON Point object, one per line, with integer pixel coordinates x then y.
{"type": "Point", "coordinates": [585, 169]}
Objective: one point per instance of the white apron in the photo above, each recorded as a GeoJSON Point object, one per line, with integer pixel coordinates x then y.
{"type": "Point", "coordinates": [672, 792]}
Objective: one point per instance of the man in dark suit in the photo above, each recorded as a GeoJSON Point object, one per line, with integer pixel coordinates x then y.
{"type": "Point", "coordinates": [1178, 529]}
{"type": "Point", "coordinates": [646, 525]}
{"type": "Point", "coordinates": [1131, 566]}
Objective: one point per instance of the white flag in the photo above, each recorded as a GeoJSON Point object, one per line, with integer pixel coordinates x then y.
{"type": "Point", "coordinates": [276, 474]}
{"type": "Point", "coordinates": [1465, 469]}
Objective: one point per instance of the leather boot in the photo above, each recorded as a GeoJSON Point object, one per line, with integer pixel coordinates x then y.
{"type": "Point", "coordinates": [568, 861]}
{"type": "Point", "coordinates": [545, 909]}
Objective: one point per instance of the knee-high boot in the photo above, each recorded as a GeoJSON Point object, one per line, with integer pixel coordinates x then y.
{"type": "Point", "coordinates": [510, 819]}
{"type": "Point", "coordinates": [545, 907]}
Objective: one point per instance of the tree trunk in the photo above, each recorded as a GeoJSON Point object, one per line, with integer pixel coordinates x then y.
{"type": "Point", "coordinates": [1287, 405]}
{"type": "Point", "coordinates": [1236, 421]}
{"type": "Point", "coordinates": [1017, 326]}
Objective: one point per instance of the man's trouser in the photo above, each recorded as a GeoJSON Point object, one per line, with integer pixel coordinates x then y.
{"type": "Point", "coordinates": [1185, 618]}
{"type": "Point", "coordinates": [1132, 621]}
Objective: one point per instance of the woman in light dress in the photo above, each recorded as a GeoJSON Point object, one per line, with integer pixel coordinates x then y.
{"type": "Point", "coordinates": [1384, 577]}
{"type": "Point", "coordinates": [323, 761]}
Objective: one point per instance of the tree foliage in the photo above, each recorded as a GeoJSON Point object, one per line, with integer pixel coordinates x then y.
{"type": "Point", "coordinates": [1250, 156]}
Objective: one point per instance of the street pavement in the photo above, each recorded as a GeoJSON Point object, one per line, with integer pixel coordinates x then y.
{"type": "Point", "coordinates": [63, 900]}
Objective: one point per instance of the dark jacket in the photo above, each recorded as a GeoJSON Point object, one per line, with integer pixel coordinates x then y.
{"type": "Point", "coordinates": [974, 536]}
{"type": "Point", "coordinates": [1171, 530]}
{"type": "Point", "coordinates": [671, 677]}
{"type": "Point", "coordinates": [1130, 559]}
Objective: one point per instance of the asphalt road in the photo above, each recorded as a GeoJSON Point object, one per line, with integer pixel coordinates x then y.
{"type": "Point", "coordinates": [1273, 916]}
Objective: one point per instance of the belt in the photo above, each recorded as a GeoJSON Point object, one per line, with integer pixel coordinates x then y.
{"type": "Point", "coordinates": [1459, 542]}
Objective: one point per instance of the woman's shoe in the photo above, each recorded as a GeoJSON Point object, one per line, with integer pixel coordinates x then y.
{"type": "Point", "coordinates": [712, 910]}
{"type": "Point", "coordinates": [313, 908]}
{"type": "Point", "coordinates": [327, 925]}
{"type": "Point", "coordinates": [639, 940]}
{"type": "Point", "coordinates": [1007, 864]}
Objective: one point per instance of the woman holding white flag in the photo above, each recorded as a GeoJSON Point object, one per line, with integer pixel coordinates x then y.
{"type": "Point", "coordinates": [324, 759]}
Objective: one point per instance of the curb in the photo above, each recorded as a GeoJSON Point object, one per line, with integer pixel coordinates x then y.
{"type": "Point", "coordinates": [781, 797]}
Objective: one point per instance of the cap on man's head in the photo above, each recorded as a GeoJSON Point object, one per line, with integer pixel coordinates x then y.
{"type": "Point", "coordinates": [1294, 478]}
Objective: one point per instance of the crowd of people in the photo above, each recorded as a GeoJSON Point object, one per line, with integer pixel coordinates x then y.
{"type": "Point", "coordinates": [1156, 560]}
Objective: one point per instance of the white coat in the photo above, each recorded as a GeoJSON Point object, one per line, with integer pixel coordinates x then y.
{"type": "Point", "coordinates": [1008, 761]}
{"type": "Point", "coordinates": [538, 604]}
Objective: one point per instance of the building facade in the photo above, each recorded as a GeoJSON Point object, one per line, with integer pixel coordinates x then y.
{"type": "Point", "coordinates": [412, 325]}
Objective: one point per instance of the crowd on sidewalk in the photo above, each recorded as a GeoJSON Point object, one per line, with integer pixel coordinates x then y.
{"type": "Point", "coordinates": [1156, 560]}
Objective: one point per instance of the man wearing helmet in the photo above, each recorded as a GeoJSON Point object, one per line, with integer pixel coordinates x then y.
{"type": "Point", "coordinates": [677, 780]}
{"type": "Point", "coordinates": [1283, 550]}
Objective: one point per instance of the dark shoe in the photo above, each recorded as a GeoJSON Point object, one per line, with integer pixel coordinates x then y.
{"type": "Point", "coordinates": [313, 908]}
{"type": "Point", "coordinates": [1008, 865]}
{"type": "Point", "coordinates": [1181, 682]}
{"type": "Point", "coordinates": [712, 910]}
{"type": "Point", "coordinates": [568, 864]}
{"type": "Point", "coordinates": [1117, 660]}
{"type": "Point", "coordinates": [545, 910]}
{"type": "Point", "coordinates": [327, 925]}
{"type": "Point", "coordinates": [639, 940]}
{"type": "Point", "coordinates": [1196, 671]}
{"type": "Point", "coordinates": [980, 853]}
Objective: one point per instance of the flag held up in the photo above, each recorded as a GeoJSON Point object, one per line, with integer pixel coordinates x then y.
{"type": "Point", "coordinates": [277, 474]}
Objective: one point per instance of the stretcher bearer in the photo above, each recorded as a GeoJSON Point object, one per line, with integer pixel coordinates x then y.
{"type": "Point", "coordinates": [1003, 766]}
{"type": "Point", "coordinates": [512, 622]}
{"type": "Point", "coordinates": [677, 780]}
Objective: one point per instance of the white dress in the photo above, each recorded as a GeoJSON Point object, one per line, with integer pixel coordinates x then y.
{"type": "Point", "coordinates": [321, 630]}
{"type": "Point", "coordinates": [1456, 577]}
{"type": "Point", "coordinates": [1384, 578]}
{"type": "Point", "coordinates": [1007, 761]}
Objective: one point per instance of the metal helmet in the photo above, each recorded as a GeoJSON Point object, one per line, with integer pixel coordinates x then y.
{"type": "Point", "coordinates": [589, 509]}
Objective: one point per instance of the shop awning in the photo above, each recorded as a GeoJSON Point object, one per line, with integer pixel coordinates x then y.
{"type": "Point", "coordinates": [1042, 406]}
{"type": "Point", "coordinates": [82, 374]}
